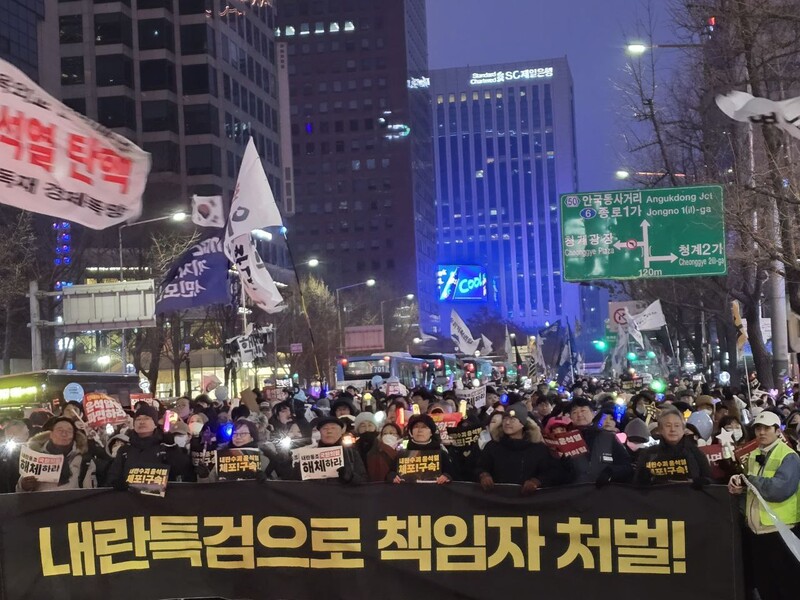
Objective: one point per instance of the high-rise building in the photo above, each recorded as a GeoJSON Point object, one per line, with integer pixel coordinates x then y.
{"type": "Point", "coordinates": [504, 142]}
{"type": "Point", "coordinates": [189, 81]}
{"type": "Point", "coordinates": [19, 34]}
{"type": "Point", "coordinates": [360, 127]}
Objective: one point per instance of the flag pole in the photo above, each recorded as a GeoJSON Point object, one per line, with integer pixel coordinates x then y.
{"type": "Point", "coordinates": [302, 302]}
{"type": "Point", "coordinates": [569, 344]}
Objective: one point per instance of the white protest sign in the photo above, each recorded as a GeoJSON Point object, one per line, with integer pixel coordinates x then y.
{"type": "Point", "coordinates": [319, 463]}
{"type": "Point", "coordinates": [45, 467]}
{"type": "Point", "coordinates": [73, 392]}
{"type": "Point", "coordinates": [474, 397]}
{"type": "Point", "coordinates": [56, 162]}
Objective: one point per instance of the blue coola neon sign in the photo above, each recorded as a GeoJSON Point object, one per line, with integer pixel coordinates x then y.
{"type": "Point", "coordinates": [461, 282]}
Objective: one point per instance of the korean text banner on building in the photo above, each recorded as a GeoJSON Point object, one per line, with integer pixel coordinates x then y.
{"type": "Point", "coordinates": [57, 162]}
{"type": "Point", "coordinates": [289, 540]}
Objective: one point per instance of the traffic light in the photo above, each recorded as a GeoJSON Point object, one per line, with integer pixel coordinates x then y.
{"type": "Point", "coordinates": [631, 355]}
{"type": "Point", "coordinates": [601, 345]}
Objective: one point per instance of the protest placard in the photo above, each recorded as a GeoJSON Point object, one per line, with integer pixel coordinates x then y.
{"type": "Point", "coordinates": [146, 398]}
{"type": "Point", "coordinates": [474, 396]}
{"type": "Point", "coordinates": [150, 481]}
{"type": "Point", "coordinates": [715, 455]}
{"type": "Point", "coordinates": [462, 438]}
{"type": "Point", "coordinates": [319, 463]}
{"type": "Point", "coordinates": [45, 467]}
{"type": "Point", "coordinates": [238, 464]}
{"type": "Point", "coordinates": [102, 410]}
{"type": "Point", "coordinates": [567, 443]}
{"type": "Point", "coordinates": [419, 465]}
{"type": "Point", "coordinates": [445, 420]}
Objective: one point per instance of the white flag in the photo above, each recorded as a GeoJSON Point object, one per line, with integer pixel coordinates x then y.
{"type": "Point", "coordinates": [253, 205]}
{"type": "Point", "coordinates": [633, 329]}
{"type": "Point", "coordinates": [487, 345]}
{"type": "Point", "coordinates": [461, 334]}
{"type": "Point", "coordinates": [783, 114]}
{"type": "Point", "coordinates": [57, 162]}
{"type": "Point", "coordinates": [207, 211]}
{"type": "Point", "coordinates": [256, 280]}
{"type": "Point", "coordinates": [651, 318]}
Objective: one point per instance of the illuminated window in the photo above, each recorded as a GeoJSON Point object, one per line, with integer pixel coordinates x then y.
{"type": "Point", "coordinates": [319, 27]}
{"type": "Point", "coordinates": [289, 30]}
{"type": "Point", "coordinates": [348, 26]}
{"type": "Point", "coordinates": [334, 28]}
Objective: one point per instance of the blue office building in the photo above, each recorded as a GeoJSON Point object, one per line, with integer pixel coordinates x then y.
{"type": "Point", "coordinates": [504, 144]}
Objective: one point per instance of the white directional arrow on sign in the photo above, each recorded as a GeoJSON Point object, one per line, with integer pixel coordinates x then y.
{"type": "Point", "coordinates": [645, 246]}
{"type": "Point", "coordinates": [669, 258]}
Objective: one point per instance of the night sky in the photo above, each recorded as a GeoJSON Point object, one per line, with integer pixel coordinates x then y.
{"type": "Point", "coordinates": [590, 33]}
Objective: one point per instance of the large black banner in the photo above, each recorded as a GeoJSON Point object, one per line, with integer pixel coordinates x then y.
{"type": "Point", "coordinates": [312, 540]}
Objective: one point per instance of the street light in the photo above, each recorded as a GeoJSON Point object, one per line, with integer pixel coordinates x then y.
{"type": "Point", "coordinates": [313, 262]}
{"type": "Point", "coordinates": [369, 283]}
{"type": "Point", "coordinates": [622, 174]}
{"type": "Point", "coordinates": [637, 48]}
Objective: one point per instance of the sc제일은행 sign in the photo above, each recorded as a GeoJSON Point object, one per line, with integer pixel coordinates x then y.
{"type": "Point", "coordinates": [652, 233]}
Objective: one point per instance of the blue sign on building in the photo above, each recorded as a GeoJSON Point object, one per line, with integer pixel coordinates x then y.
{"type": "Point", "coordinates": [461, 282]}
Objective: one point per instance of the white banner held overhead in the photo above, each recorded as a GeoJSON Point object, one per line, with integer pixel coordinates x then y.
{"type": "Point", "coordinates": [256, 280]}
{"type": "Point", "coordinates": [253, 205]}
{"type": "Point", "coordinates": [208, 211]}
{"type": "Point", "coordinates": [461, 334]}
{"type": "Point", "coordinates": [651, 318]}
{"type": "Point", "coordinates": [57, 162]}
{"type": "Point", "coordinates": [783, 114]}
{"type": "Point", "coordinates": [633, 329]}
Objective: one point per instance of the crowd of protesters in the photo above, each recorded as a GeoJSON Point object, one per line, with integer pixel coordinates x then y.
{"type": "Point", "coordinates": [641, 438]}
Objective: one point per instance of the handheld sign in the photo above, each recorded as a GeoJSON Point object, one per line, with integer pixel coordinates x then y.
{"type": "Point", "coordinates": [445, 420]}
{"type": "Point", "coordinates": [238, 464]}
{"type": "Point", "coordinates": [101, 410]}
{"type": "Point", "coordinates": [473, 397]}
{"type": "Point", "coordinates": [463, 438]}
{"type": "Point", "coordinates": [73, 392]}
{"type": "Point", "coordinates": [419, 465]}
{"type": "Point", "coordinates": [319, 463]}
{"type": "Point", "coordinates": [150, 481]}
{"type": "Point", "coordinates": [45, 467]}
{"type": "Point", "coordinates": [566, 443]}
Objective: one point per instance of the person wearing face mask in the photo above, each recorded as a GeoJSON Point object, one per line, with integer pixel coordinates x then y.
{"type": "Point", "coordinates": [493, 430]}
{"type": "Point", "coordinates": [675, 449]}
{"type": "Point", "coordinates": [245, 439]}
{"type": "Point", "coordinates": [61, 437]}
{"type": "Point", "coordinates": [423, 437]}
{"type": "Point", "coordinates": [383, 453]}
{"type": "Point", "coordinates": [147, 449]}
{"type": "Point", "coordinates": [366, 430]}
{"type": "Point", "coordinates": [114, 443]}
{"type": "Point", "coordinates": [202, 442]}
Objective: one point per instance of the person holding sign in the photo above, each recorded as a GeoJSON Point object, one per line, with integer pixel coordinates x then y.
{"type": "Point", "coordinates": [519, 456]}
{"type": "Point", "coordinates": [607, 460]}
{"type": "Point", "coordinates": [56, 459]}
{"type": "Point", "coordinates": [331, 433]}
{"type": "Point", "coordinates": [675, 458]}
{"type": "Point", "coordinates": [424, 459]}
{"type": "Point", "coordinates": [240, 460]}
{"type": "Point", "coordinates": [148, 450]}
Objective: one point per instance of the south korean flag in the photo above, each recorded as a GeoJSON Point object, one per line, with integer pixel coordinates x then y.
{"type": "Point", "coordinates": [207, 211]}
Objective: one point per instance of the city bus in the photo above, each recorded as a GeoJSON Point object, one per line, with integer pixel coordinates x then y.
{"type": "Point", "coordinates": [441, 370]}
{"type": "Point", "coordinates": [358, 371]}
{"type": "Point", "coordinates": [45, 389]}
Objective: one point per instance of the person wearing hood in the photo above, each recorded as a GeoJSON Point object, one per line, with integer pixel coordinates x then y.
{"type": "Point", "coordinates": [61, 437]}
{"type": "Point", "coordinates": [637, 434]}
{"type": "Point", "coordinates": [281, 417]}
{"type": "Point", "coordinates": [519, 456]}
{"type": "Point", "coordinates": [606, 460]}
{"type": "Point", "coordinates": [148, 448]}
{"type": "Point", "coordinates": [366, 430]}
{"type": "Point", "coordinates": [383, 453]}
{"type": "Point", "coordinates": [343, 406]}
{"type": "Point", "coordinates": [492, 431]}
{"type": "Point", "coordinates": [423, 436]}
{"type": "Point", "coordinates": [675, 458]}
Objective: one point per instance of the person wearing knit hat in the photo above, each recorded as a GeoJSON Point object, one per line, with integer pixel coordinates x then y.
{"type": "Point", "coordinates": [423, 440]}
{"type": "Point", "coordinates": [365, 428]}
{"type": "Point", "coordinates": [519, 456]}
{"type": "Point", "coordinates": [705, 403]}
{"type": "Point", "coordinates": [148, 447]}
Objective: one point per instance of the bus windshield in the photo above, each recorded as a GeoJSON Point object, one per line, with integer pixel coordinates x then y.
{"type": "Point", "coordinates": [365, 368]}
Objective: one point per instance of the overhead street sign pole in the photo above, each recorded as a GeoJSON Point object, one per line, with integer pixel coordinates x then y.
{"type": "Point", "coordinates": [648, 233]}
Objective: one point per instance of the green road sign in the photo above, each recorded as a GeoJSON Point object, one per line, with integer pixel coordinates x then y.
{"type": "Point", "coordinates": [631, 234]}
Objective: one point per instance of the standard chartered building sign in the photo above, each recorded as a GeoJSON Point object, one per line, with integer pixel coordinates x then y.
{"type": "Point", "coordinates": [493, 77]}
{"type": "Point", "coordinates": [630, 234]}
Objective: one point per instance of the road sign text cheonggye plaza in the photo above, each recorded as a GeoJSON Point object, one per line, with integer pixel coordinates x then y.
{"type": "Point", "coordinates": [630, 234]}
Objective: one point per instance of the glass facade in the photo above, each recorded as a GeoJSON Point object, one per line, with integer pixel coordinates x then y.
{"type": "Point", "coordinates": [18, 34]}
{"type": "Point", "coordinates": [503, 155]}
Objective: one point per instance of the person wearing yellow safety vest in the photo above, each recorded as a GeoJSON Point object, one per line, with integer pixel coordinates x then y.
{"type": "Point", "coordinates": [774, 470]}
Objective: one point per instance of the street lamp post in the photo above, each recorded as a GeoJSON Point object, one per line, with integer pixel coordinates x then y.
{"type": "Point", "coordinates": [369, 283]}
{"type": "Point", "coordinates": [178, 217]}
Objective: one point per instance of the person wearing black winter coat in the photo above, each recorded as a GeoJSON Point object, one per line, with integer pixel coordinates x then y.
{"type": "Point", "coordinates": [423, 437]}
{"type": "Point", "coordinates": [519, 456]}
{"type": "Point", "coordinates": [675, 458]}
{"type": "Point", "coordinates": [607, 460]}
{"type": "Point", "coordinates": [147, 448]}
